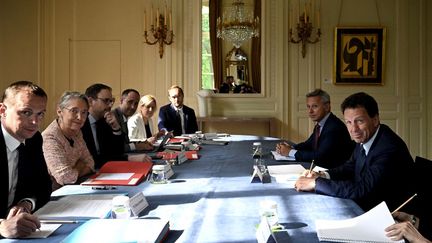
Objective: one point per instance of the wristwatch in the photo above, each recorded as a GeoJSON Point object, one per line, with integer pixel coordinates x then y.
{"type": "Point", "coordinates": [413, 220]}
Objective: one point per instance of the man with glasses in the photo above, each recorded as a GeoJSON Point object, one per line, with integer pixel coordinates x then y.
{"type": "Point", "coordinates": [102, 132]}
{"type": "Point", "coordinates": [25, 183]}
{"type": "Point", "coordinates": [128, 105]}
{"type": "Point", "coordinates": [177, 117]}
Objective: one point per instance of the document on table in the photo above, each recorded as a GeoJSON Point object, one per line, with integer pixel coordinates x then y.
{"type": "Point", "coordinates": [44, 231]}
{"type": "Point", "coordinates": [114, 176]}
{"type": "Point", "coordinates": [78, 206]}
{"type": "Point", "coordinates": [278, 156]}
{"type": "Point", "coordinates": [368, 227]}
{"type": "Point", "coordinates": [286, 173]}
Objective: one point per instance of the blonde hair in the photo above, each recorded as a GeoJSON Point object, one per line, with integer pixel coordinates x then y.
{"type": "Point", "coordinates": [146, 100]}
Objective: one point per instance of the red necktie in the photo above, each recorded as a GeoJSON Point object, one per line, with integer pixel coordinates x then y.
{"type": "Point", "coordinates": [317, 134]}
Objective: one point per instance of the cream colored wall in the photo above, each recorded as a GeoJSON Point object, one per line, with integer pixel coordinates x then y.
{"type": "Point", "coordinates": [70, 44]}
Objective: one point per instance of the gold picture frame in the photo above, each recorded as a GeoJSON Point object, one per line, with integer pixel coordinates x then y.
{"type": "Point", "coordinates": [359, 55]}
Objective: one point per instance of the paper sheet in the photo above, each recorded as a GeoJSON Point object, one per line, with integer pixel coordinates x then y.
{"type": "Point", "coordinates": [286, 173]}
{"type": "Point", "coordinates": [44, 231]}
{"type": "Point", "coordinates": [114, 176]}
{"type": "Point", "coordinates": [78, 206]}
{"type": "Point", "coordinates": [278, 156]}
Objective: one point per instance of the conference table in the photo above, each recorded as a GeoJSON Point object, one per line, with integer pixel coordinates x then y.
{"type": "Point", "coordinates": [212, 199]}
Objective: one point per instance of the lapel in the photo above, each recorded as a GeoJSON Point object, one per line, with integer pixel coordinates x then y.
{"type": "Point", "coordinates": [4, 177]}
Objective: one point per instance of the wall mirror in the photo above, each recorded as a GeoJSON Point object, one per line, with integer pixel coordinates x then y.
{"type": "Point", "coordinates": [221, 59]}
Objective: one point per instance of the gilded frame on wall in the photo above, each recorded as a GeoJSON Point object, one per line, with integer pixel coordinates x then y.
{"type": "Point", "coordinates": [359, 55]}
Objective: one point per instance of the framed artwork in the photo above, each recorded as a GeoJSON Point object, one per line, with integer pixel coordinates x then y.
{"type": "Point", "coordinates": [359, 55]}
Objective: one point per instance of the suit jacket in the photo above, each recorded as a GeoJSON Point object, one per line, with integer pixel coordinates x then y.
{"type": "Point", "coordinates": [169, 120]}
{"type": "Point", "coordinates": [334, 145]}
{"type": "Point", "coordinates": [111, 146]}
{"type": "Point", "coordinates": [136, 127]}
{"type": "Point", "coordinates": [124, 128]}
{"type": "Point", "coordinates": [384, 175]}
{"type": "Point", "coordinates": [33, 178]}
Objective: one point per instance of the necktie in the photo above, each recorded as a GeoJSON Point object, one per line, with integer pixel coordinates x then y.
{"type": "Point", "coordinates": [316, 134]}
{"type": "Point", "coordinates": [361, 159]}
{"type": "Point", "coordinates": [182, 122]}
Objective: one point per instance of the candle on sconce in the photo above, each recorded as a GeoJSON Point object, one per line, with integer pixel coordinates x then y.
{"type": "Point", "coordinates": [304, 14]}
{"type": "Point", "coordinates": [170, 20]}
{"type": "Point", "coordinates": [145, 18]}
{"type": "Point", "coordinates": [165, 15]}
{"type": "Point", "coordinates": [151, 17]}
{"type": "Point", "coordinates": [157, 18]}
{"type": "Point", "coordinates": [318, 18]}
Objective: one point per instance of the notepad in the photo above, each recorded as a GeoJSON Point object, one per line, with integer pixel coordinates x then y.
{"type": "Point", "coordinates": [368, 227]}
{"type": "Point", "coordinates": [120, 230]}
{"type": "Point", "coordinates": [278, 156]}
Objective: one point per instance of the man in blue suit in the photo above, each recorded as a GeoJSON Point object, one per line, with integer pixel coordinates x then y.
{"type": "Point", "coordinates": [379, 168]}
{"type": "Point", "coordinates": [330, 144]}
{"type": "Point", "coordinates": [177, 117]}
{"type": "Point", "coordinates": [25, 184]}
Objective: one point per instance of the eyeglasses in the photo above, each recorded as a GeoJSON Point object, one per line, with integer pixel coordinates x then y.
{"type": "Point", "coordinates": [75, 111]}
{"type": "Point", "coordinates": [107, 101]}
{"type": "Point", "coordinates": [29, 113]}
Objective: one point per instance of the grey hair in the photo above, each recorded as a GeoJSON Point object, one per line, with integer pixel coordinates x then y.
{"type": "Point", "coordinates": [71, 95]}
{"type": "Point", "coordinates": [325, 97]}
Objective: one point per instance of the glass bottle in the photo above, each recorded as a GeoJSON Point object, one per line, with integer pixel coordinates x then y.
{"type": "Point", "coordinates": [120, 207]}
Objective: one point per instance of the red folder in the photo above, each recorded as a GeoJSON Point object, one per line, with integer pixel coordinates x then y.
{"type": "Point", "coordinates": [190, 155]}
{"type": "Point", "coordinates": [107, 173]}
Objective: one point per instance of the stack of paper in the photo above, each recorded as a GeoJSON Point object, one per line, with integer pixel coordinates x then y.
{"type": "Point", "coordinates": [368, 227]}
{"type": "Point", "coordinates": [278, 156]}
{"type": "Point", "coordinates": [285, 173]}
{"type": "Point", "coordinates": [120, 230]}
{"type": "Point", "coordinates": [78, 206]}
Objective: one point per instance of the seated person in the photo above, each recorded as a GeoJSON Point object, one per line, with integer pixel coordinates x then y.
{"type": "Point", "coordinates": [228, 85]}
{"type": "Point", "coordinates": [128, 105]}
{"type": "Point", "coordinates": [373, 172]}
{"type": "Point", "coordinates": [244, 88]}
{"type": "Point", "coordinates": [65, 150]}
{"type": "Point", "coordinates": [176, 117]}
{"type": "Point", "coordinates": [102, 132]}
{"type": "Point", "coordinates": [140, 125]}
{"type": "Point", "coordinates": [330, 144]}
{"type": "Point", "coordinates": [25, 182]}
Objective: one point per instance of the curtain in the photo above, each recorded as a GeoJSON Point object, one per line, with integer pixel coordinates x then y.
{"type": "Point", "coordinates": [216, 43]}
{"type": "Point", "coordinates": [256, 53]}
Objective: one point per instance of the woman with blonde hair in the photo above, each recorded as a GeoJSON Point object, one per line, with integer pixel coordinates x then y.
{"type": "Point", "coordinates": [140, 125]}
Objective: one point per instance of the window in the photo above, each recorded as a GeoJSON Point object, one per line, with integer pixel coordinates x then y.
{"type": "Point", "coordinates": [206, 57]}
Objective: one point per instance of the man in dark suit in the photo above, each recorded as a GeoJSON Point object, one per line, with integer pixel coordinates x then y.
{"type": "Point", "coordinates": [101, 131]}
{"type": "Point", "coordinates": [128, 105]}
{"type": "Point", "coordinates": [379, 168]}
{"type": "Point", "coordinates": [177, 117]}
{"type": "Point", "coordinates": [25, 183]}
{"type": "Point", "coordinates": [330, 144]}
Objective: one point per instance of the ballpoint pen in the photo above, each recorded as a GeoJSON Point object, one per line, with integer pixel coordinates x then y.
{"type": "Point", "coordinates": [311, 167]}
{"type": "Point", "coordinates": [58, 221]}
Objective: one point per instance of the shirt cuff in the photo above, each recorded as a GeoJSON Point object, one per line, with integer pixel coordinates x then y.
{"type": "Point", "coordinates": [292, 152]}
{"type": "Point", "coordinates": [30, 200]}
{"type": "Point", "coordinates": [132, 146]}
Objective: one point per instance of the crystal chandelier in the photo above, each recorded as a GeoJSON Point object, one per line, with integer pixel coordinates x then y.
{"type": "Point", "coordinates": [238, 24]}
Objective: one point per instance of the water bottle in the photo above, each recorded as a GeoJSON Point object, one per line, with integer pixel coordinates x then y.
{"type": "Point", "coordinates": [257, 154]}
{"type": "Point", "coordinates": [120, 207]}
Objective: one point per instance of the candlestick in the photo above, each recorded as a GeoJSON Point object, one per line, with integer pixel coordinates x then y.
{"type": "Point", "coordinates": [318, 18]}
{"type": "Point", "coordinates": [145, 26]}
{"type": "Point", "coordinates": [165, 15]}
{"type": "Point", "coordinates": [151, 16]}
{"type": "Point", "coordinates": [170, 20]}
{"type": "Point", "coordinates": [157, 18]}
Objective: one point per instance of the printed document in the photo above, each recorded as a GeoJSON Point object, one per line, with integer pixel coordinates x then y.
{"type": "Point", "coordinates": [368, 227]}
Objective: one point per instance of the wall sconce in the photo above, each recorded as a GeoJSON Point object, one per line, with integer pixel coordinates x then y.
{"type": "Point", "coordinates": [304, 28]}
{"type": "Point", "coordinates": [160, 31]}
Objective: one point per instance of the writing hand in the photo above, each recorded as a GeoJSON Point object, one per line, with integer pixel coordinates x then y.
{"type": "Point", "coordinates": [19, 225]}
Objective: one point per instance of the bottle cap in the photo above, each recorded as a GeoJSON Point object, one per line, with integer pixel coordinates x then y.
{"type": "Point", "coordinates": [121, 201]}
{"type": "Point", "coordinates": [158, 167]}
{"type": "Point", "coordinates": [256, 143]}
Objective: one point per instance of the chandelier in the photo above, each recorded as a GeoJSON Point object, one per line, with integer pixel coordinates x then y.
{"type": "Point", "coordinates": [238, 24]}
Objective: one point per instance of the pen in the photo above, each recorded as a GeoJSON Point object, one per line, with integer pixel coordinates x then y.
{"type": "Point", "coordinates": [311, 167]}
{"type": "Point", "coordinates": [403, 204]}
{"type": "Point", "coordinates": [55, 221]}
{"type": "Point", "coordinates": [103, 187]}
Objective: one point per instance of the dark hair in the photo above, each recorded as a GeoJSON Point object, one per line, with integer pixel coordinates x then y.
{"type": "Point", "coordinates": [94, 90]}
{"type": "Point", "coordinates": [359, 100]}
{"type": "Point", "coordinates": [17, 86]}
{"type": "Point", "coordinates": [127, 91]}
{"type": "Point", "coordinates": [325, 97]}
